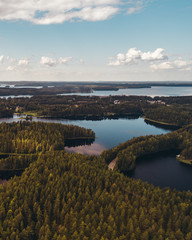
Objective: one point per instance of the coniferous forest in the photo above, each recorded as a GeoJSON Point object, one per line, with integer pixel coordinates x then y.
{"type": "Point", "coordinates": [69, 196]}
{"type": "Point", "coordinates": [62, 195]}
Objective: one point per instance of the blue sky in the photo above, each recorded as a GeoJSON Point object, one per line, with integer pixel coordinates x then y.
{"type": "Point", "coordinates": [103, 40]}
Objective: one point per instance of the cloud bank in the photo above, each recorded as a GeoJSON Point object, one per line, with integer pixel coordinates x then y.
{"type": "Point", "coordinates": [8, 63]}
{"type": "Point", "coordinates": [58, 11]}
{"type": "Point", "coordinates": [23, 62]}
{"type": "Point", "coordinates": [179, 64]}
{"type": "Point", "coordinates": [134, 55]}
{"type": "Point", "coordinates": [157, 60]}
{"type": "Point", "coordinates": [52, 62]}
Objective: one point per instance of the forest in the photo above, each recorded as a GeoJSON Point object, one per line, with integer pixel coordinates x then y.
{"type": "Point", "coordinates": [171, 111]}
{"type": "Point", "coordinates": [69, 196]}
{"type": "Point", "coordinates": [21, 142]}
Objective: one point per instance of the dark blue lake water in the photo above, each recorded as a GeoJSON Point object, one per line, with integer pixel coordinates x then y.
{"type": "Point", "coordinates": [164, 170]}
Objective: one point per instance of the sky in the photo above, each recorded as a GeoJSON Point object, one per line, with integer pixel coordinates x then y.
{"type": "Point", "coordinates": [96, 40]}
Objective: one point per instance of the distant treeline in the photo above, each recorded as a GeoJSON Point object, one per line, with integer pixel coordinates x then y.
{"type": "Point", "coordinates": [176, 111]}
{"type": "Point", "coordinates": [43, 91]}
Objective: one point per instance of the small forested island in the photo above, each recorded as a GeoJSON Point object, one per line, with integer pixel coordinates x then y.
{"type": "Point", "coordinates": [61, 195]}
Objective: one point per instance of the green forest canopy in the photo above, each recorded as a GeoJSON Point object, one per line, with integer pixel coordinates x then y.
{"type": "Point", "coordinates": [71, 196]}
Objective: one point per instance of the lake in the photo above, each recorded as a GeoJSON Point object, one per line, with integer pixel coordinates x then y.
{"type": "Point", "coordinates": [164, 170]}
{"type": "Point", "coordinates": [161, 170]}
{"type": "Point", "coordinates": [152, 92]}
{"type": "Point", "coordinates": [109, 133]}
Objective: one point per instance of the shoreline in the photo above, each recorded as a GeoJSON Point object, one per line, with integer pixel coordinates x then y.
{"type": "Point", "coordinates": [163, 124]}
{"type": "Point", "coordinates": [185, 161]}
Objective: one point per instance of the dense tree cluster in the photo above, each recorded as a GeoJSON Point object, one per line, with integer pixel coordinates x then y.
{"type": "Point", "coordinates": [5, 111]}
{"type": "Point", "coordinates": [125, 154]}
{"type": "Point", "coordinates": [77, 107]}
{"type": "Point", "coordinates": [22, 141]}
{"type": "Point", "coordinates": [83, 107]}
{"type": "Point", "coordinates": [17, 161]}
{"type": "Point", "coordinates": [32, 137]}
{"type": "Point", "coordinates": [69, 196]}
{"type": "Point", "coordinates": [174, 115]}
{"type": "Point", "coordinates": [186, 146]}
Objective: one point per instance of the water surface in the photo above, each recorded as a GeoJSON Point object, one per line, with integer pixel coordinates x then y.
{"type": "Point", "coordinates": [164, 170]}
{"type": "Point", "coordinates": [110, 133]}
{"type": "Point", "coordinates": [152, 92]}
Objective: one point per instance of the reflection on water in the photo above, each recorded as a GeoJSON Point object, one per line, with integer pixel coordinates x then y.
{"type": "Point", "coordinates": [93, 149]}
{"type": "Point", "coordinates": [78, 142]}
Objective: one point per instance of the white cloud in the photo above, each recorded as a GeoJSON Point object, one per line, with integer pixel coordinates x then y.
{"type": "Point", "coordinates": [158, 60]}
{"type": "Point", "coordinates": [48, 61]}
{"type": "Point", "coordinates": [178, 64]}
{"type": "Point", "coordinates": [164, 65]}
{"type": "Point", "coordinates": [23, 62]}
{"type": "Point", "coordinates": [158, 54]}
{"type": "Point", "coordinates": [52, 62]}
{"type": "Point", "coordinates": [10, 68]}
{"type": "Point", "coordinates": [64, 60]}
{"type": "Point", "coordinates": [1, 59]}
{"type": "Point", "coordinates": [134, 55]}
{"type": "Point", "coordinates": [58, 11]}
